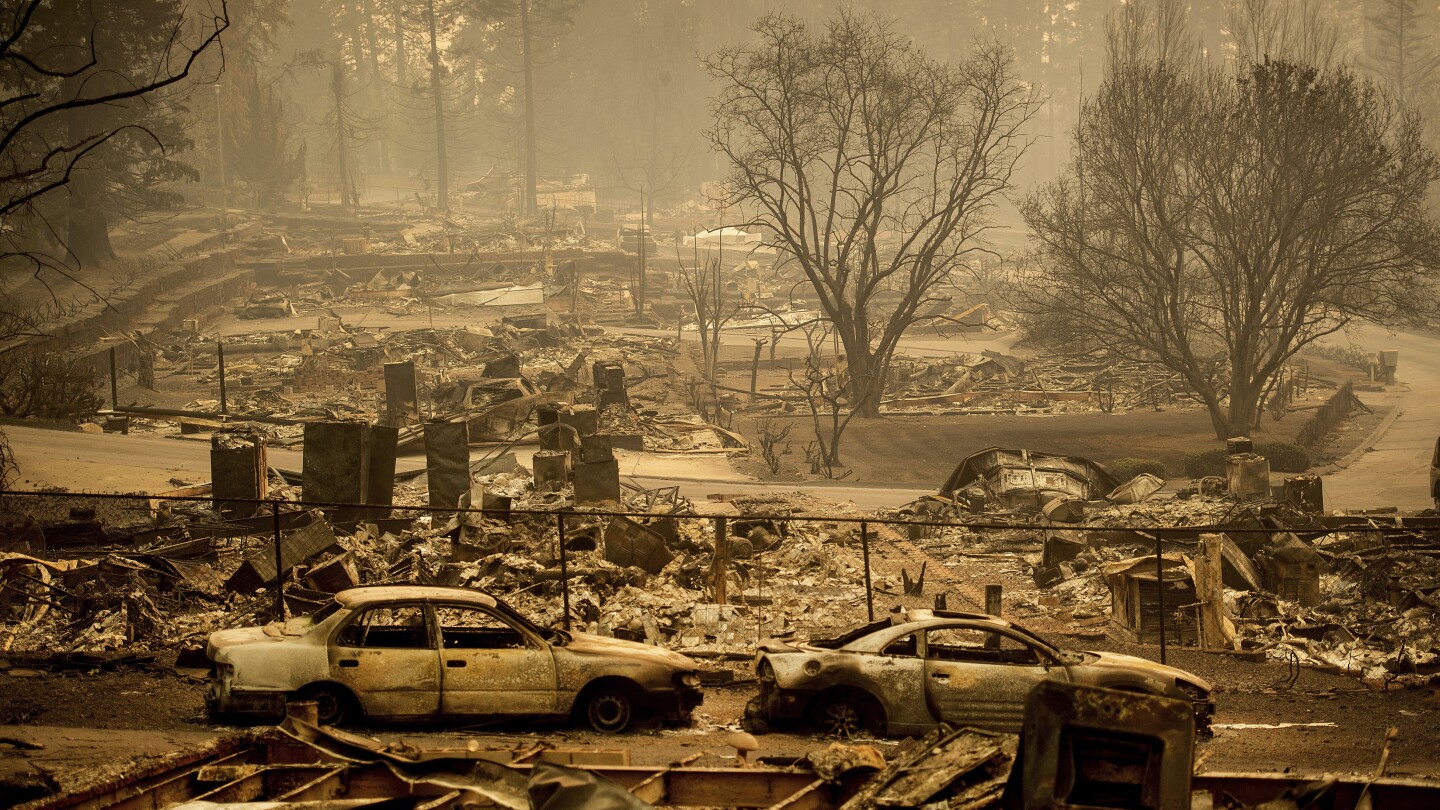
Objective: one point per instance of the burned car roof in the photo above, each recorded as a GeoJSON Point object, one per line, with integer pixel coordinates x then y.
{"type": "Point", "coordinates": [389, 593]}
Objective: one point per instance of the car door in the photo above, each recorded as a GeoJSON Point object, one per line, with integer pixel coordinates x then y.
{"type": "Point", "coordinates": [977, 676]}
{"type": "Point", "coordinates": [385, 654]}
{"type": "Point", "coordinates": [898, 673]}
{"type": "Point", "coordinates": [491, 667]}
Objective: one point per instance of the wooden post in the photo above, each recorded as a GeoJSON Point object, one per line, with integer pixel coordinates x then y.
{"type": "Point", "coordinates": [865, 550]}
{"type": "Point", "coordinates": [1216, 629]}
{"type": "Point", "coordinates": [993, 594]}
{"type": "Point", "coordinates": [279, 565]}
{"type": "Point", "coordinates": [720, 563]}
{"type": "Point", "coordinates": [220, 361]}
{"type": "Point", "coordinates": [115, 384]}
{"type": "Point", "coordinates": [1160, 593]}
{"type": "Point", "coordinates": [755, 368]}
{"type": "Point", "coordinates": [564, 571]}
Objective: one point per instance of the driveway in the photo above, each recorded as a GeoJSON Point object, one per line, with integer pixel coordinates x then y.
{"type": "Point", "coordinates": [1392, 469]}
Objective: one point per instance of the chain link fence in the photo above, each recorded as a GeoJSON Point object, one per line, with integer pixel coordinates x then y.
{"type": "Point", "coordinates": [91, 571]}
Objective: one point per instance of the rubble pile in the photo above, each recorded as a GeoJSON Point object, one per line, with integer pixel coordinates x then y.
{"type": "Point", "coordinates": [189, 571]}
{"type": "Point", "coordinates": [1372, 613]}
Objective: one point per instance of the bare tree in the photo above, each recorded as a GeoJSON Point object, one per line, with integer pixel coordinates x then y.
{"type": "Point", "coordinates": [1156, 30]}
{"type": "Point", "coordinates": [825, 387]}
{"type": "Point", "coordinates": [875, 165]}
{"type": "Point", "coordinates": [1227, 221]}
{"type": "Point", "coordinates": [713, 309]}
{"type": "Point", "coordinates": [1405, 55]}
{"type": "Point", "coordinates": [1291, 31]}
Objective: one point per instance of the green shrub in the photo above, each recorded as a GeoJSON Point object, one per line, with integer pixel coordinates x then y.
{"type": "Point", "coordinates": [1285, 457]}
{"type": "Point", "coordinates": [1123, 469]}
{"type": "Point", "coordinates": [1208, 462]}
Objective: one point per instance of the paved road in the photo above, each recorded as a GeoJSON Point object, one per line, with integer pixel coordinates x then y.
{"type": "Point", "coordinates": [148, 463]}
{"type": "Point", "coordinates": [114, 463]}
{"type": "Point", "coordinates": [1395, 471]}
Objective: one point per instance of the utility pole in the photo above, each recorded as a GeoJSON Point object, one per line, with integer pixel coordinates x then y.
{"type": "Point", "coordinates": [220, 158]}
{"type": "Point", "coordinates": [442, 166]}
{"type": "Point", "coordinates": [342, 149]}
{"type": "Point", "coordinates": [530, 159]}
{"type": "Point", "coordinates": [640, 279]}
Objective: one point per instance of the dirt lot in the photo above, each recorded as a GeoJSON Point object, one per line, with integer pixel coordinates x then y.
{"type": "Point", "coordinates": [924, 449]}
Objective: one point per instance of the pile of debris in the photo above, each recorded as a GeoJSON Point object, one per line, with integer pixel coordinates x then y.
{"type": "Point", "coordinates": [1346, 594]}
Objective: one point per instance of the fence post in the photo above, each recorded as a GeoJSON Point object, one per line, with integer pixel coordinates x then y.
{"type": "Point", "coordinates": [279, 567]}
{"type": "Point", "coordinates": [1160, 593]}
{"type": "Point", "coordinates": [720, 562]}
{"type": "Point", "coordinates": [114, 382]}
{"type": "Point", "coordinates": [865, 553]}
{"type": "Point", "coordinates": [564, 572]}
{"type": "Point", "coordinates": [993, 597]}
{"type": "Point", "coordinates": [220, 354]}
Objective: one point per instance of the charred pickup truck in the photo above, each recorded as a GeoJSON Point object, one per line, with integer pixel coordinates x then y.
{"type": "Point", "coordinates": [908, 673]}
{"type": "Point", "coordinates": [432, 653]}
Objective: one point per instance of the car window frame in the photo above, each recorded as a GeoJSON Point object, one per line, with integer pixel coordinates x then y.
{"type": "Point", "coordinates": [532, 640]}
{"type": "Point", "coordinates": [431, 626]}
{"type": "Point", "coordinates": [1044, 657]}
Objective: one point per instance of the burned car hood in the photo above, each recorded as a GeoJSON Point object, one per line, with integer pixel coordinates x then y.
{"type": "Point", "coordinates": [586, 644]}
{"type": "Point", "coordinates": [1130, 662]}
{"type": "Point", "coordinates": [274, 631]}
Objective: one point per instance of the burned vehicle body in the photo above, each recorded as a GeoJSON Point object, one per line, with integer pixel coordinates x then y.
{"type": "Point", "coordinates": [919, 668]}
{"type": "Point", "coordinates": [430, 653]}
{"type": "Point", "coordinates": [1028, 478]}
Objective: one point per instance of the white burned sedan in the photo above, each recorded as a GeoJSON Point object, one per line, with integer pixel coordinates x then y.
{"type": "Point", "coordinates": [906, 674]}
{"type": "Point", "coordinates": [413, 653]}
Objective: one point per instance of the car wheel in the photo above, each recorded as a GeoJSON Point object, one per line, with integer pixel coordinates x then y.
{"type": "Point", "coordinates": [333, 705]}
{"type": "Point", "coordinates": [844, 715]}
{"type": "Point", "coordinates": [609, 711]}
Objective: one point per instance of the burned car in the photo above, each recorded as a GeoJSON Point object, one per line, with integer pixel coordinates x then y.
{"type": "Point", "coordinates": [919, 668]}
{"type": "Point", "coordinates": [433, 653]}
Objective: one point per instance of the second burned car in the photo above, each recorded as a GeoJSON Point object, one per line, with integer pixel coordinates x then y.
{"type": "Point", "coordinates": [908, 673]}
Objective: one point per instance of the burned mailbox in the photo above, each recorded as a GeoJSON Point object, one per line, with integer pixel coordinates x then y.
{"type": "Point", "coordinates": [610, 384]}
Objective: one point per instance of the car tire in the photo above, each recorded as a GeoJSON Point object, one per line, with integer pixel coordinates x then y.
{"type": "Point", "coordinates": [610, 710]}
{"type": "Point", "coordinates": [333, 704]}
{"type": "Point", "coordinates": [845, 715]}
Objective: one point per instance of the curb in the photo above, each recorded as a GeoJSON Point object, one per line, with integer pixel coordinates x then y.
{"type": "Point", "coordinates": [1368, 444]}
